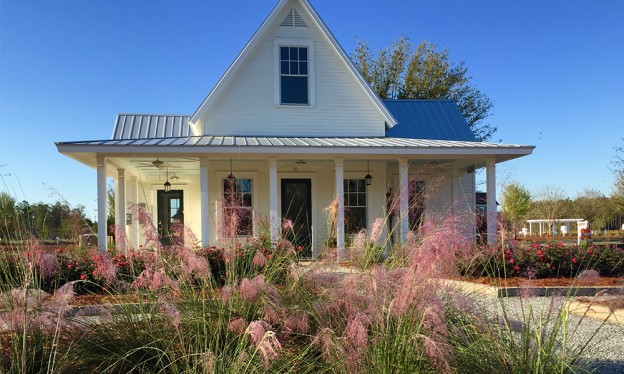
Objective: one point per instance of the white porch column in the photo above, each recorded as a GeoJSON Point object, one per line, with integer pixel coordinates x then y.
{"type": "Point", "coordinates": [490, 166]}
{"type": "Point", "coordinates": [340, 230]}
{"type": "Point", "coordinates": [403, 197]}
{"type": "Point", "coordinates": [120, 210]}
{"type": "Point", "coordinates": [273, 216]}
{"type": "Point", "coordinates": [458, 205]}
{"type": "Point", "coordinates": [101, 196]}
{"type": "Point", "coordinates": [204, 201]}
{"type": "Point", "coordinates": [133, 197]}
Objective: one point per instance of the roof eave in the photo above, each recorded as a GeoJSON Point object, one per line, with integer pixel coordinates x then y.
{"type": "Point", "coordinates": [499, 154]}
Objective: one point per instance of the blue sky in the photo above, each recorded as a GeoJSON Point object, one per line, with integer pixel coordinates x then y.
{"type": "Point", "coordinates": [554, 70]}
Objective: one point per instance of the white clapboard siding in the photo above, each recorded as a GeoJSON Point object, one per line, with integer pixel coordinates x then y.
{"type": "Point", "coordinates": [246, 106]}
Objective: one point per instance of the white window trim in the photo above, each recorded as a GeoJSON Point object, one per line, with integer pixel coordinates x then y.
{"type": "Point", "coordinates": [293, 42]}
{"type": "Point", "coordinates": [221, 176]}
{"type": "Point", "coordinates": [369, 192]}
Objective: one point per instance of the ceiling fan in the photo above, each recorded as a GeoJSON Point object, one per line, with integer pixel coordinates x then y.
{"type": "Point", "coordinates": [160, 164]}
{"type": "Point", "coordinates": [301, 164]}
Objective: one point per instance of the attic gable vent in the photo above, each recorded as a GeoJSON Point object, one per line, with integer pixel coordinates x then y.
{"type": "Point", "coordinates": [293, 19]}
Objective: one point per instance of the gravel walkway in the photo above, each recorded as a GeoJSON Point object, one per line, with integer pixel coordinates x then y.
{"type": "Point", "coordinates": [605, 353]}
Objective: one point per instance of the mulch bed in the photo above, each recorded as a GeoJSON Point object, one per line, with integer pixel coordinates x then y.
{"type": "Point", "coordinates": [548, 282]}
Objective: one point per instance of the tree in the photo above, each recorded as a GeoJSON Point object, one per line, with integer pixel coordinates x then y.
{"type": "Point", "coordinates": [550, 205]}
{"type": "Point", "coordinates": [516, 203]}
{"type": "Point", "coordinates": [399, 72]}
{"type": "Point", "coordinates": [618, 189]}
{"type": "Point", "coordinates": [592, 206]}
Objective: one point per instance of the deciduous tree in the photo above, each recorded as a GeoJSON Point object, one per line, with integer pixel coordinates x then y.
{"type": "Point", "coordinates": [516, 203]}
{"type": "Point", "coordinates": [401, 72]}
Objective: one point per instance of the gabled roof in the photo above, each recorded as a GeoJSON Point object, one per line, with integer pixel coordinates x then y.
{"type": "Point", "coordinates": [142, 126]}
{"type": "Point", "coordinates": [428, 119]}
{"type": "Point", "coordinates": [242, 56]}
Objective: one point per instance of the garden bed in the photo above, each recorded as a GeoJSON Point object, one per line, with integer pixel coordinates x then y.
{"type": "Point", "coordinates": [548, 282]}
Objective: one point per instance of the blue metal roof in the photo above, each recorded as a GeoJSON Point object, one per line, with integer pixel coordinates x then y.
{"type": "Point", "coordinates": [428, 119]}
{"type": "Point", "coordinates": [147, 126]}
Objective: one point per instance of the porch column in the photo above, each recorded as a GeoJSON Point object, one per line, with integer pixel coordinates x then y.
{"type": "Point", "coordinates": [133, 197]}
{"type": "Point", "coordinates": [457, 207]}
{"type": "Point", "coordinates": [204, 202]}
{"type": "Point", "coordinates": [340, 231]}
{"type": "Point", "coordinates": [120, 210]}
{"type": "Point", "coordinates": [273, 217]}
{"type": "Point", "coordinates": [101, 196]}
{"type": "Point", "coordinates": [403, 197]}
{"type": "Point", "coordinates": [490, 167]}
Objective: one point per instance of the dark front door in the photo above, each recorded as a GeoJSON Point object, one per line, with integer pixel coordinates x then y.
{"type": "Point", "coordinates": [297, 207]}
{"type": "Point", "coordinates": [170, 216]}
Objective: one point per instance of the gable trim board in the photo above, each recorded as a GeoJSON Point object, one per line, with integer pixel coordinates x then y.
{"type": "Point", "coordinates": [249, 47]}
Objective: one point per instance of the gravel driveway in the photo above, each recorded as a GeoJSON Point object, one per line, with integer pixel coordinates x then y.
{"type": "Point", "coordinates": [605, 354]}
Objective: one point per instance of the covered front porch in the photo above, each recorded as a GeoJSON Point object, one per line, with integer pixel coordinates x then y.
{"type": "Point", "coordinates": [325, 170]}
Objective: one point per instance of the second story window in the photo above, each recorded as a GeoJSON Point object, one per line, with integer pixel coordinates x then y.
{"type": "Point", "coordinates": [294, 72]}
{"type": "Point", "coordinates": [294, 75]}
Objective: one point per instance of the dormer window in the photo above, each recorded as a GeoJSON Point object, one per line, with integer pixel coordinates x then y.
{"type": "Point", "coordinates": [294, 72]}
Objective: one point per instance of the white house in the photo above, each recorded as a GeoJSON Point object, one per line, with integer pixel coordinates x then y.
{"type": "Point", "coordinates": [295, 126]}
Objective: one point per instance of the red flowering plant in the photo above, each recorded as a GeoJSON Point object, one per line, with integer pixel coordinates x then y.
{"type": "Point", "coordinates": [546, 260]}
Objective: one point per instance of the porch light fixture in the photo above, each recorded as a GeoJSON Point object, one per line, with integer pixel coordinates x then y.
{"type": "Point", "coordinates": [167, 184]}
{"type": "Point", "coordinates": [231, 178]}
{"type": "Point", "coordinates": [368, 178]}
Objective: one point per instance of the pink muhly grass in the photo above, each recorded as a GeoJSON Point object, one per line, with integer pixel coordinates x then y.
{"type": "Point", "coordinates": [226, 293]}
{"type": "Point", "coordinates": [287, 225]}
{"type": "Point", "coordinates": [150, 232]}
{"type": "Point", "coordinates": [252, 289]}
{"type": "Point", "coordinates": [272, 314]}
{"type": "Point", "coordinates": [259, 260]}
{"type": "Point", "coordinates": [104, 267]}
{"type": "Point", "coordinates": [64, 295]}
{"type": "Point", "coordinates": [121, 239]}
{"type": "Point", "coordinates": [324, 341]}
{"type": "Point", "coordinates": [264, 339]}
{"type": "Point", "coordinates": [376, 230]}
{"type": "Point", "coordinates": [357, 330]}
{"type": "Point", "coordinates": [437, 355]}
{"type": "Point", "coordinates": [285, 246]}
{"type": "Point", "coordinates": [359, 245]}
{"type": "Point", "coordinates": [298, 323]}
{"type": "Point", "coordinates": [293, 272]}
{"type": "Point", "coordinates": [192, 264]}
{"type": "Point", "coordinates": [170, 311]}
{"type": "Point", "coordinates": [443, 241]}
{"type": "Point", "coordinates": [414, 291]}
{"type": "Point", "coordinates": [156, 281]}
{"type": "Point", "coordinates": [237, 325]}
{"type": "Point", "coordinates": [249, 290]}
{"type": "Point", "coordinates": [48, 265]}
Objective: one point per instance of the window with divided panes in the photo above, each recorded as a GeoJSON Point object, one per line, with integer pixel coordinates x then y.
{"type": "Point", "coordinates": [237, 207]}
{"type": "Point", "coordinates": [355, 205]}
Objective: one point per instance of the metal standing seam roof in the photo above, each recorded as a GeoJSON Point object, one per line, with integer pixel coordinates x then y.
{"type": "Point", "coordinates": [428, 119]}
{"type": "Point", "coordinates": [293, 142]}
{"type": "Point", "coordinates": [143, 126]}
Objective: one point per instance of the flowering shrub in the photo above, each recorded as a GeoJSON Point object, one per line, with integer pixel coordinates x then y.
{"type": "Point", "coordinates": [545, 260]}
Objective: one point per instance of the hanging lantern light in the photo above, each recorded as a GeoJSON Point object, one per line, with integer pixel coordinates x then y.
{"type": "Point", "coordinates": [368, 178]}
{"type": "Point", "coordinates": [167, 185]}
{"type": "Point", "coordinates": [231, 178]}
